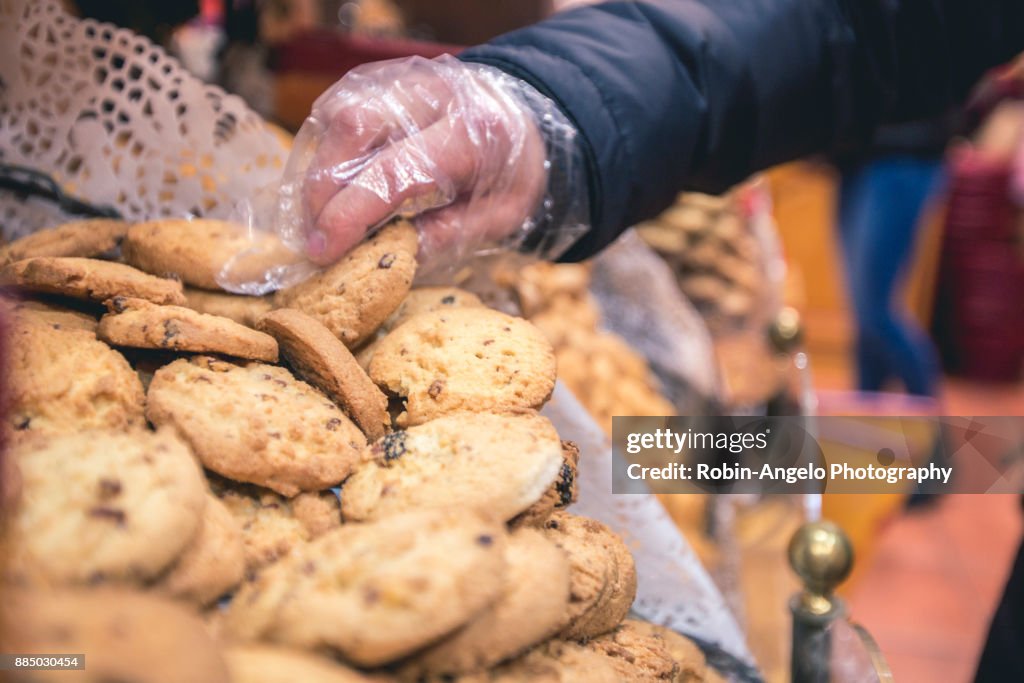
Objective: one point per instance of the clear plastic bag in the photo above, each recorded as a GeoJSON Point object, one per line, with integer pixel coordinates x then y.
{"type": "Point", "coordinates": [641, 301]}
{"type": "Point", "coordinates": [480, 160]}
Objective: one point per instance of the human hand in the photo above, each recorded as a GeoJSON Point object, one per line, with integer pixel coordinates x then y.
{"type": "Point", "coordinates": [454, 144]}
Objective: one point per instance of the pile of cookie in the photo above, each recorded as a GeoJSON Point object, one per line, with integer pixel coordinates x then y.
{"type": "Point", "coordinates": [603, 371]}
{"type": "Point", "coordinates": [345, 481]}
{"type": "Point", "coordinates": [715, 255]}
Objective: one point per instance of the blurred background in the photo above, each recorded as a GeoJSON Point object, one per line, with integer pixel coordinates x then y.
{"type": "Point", "coordinates": [899, 271]}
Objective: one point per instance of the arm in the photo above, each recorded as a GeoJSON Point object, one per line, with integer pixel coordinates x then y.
{"type": "Point", "coordinates": [698, 94]}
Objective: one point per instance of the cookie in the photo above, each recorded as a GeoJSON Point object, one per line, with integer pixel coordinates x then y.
{"type": "Point", "coordinates": [637, 653]}
{"type": "Point", "coordinates": [256, 423]}
{"type": "Point", "coordinates": [427, 300]}
{"type": "Point", "coordinates": [124, 635]}
{"type": "Point", "coordinates": [419, 300]}
{"type": "Point", "coordinates": [355, 295]}
{"type": "Point", "coordinates": [83, 278]}
{"type": "Point", "coordinates": [379, 591]}
{"type": "Point", "coordinates": [556, 661]}
{"type": "Point", "coordinates": [693, 667]}
{"type": "Point", "coordinates": [101, 505]}
{"type": "Point", "coordinates": [540, 284]}
{"type": "Point", "coordinates": [213, 563]}
{"type": "Point", "coordinates": [464, 359]}
{"type": "Point", "coordinates": [560, 495]}
{"type": "Point", "coordinates": [88, 238]}
{"type": "Point", "coordinates": [269, 664]}
{"type": "Point", "coordinates": [499, 464]}
{"type": "Point", "coordinates": [321, 359]}
{"type": "Point", "coordinates": [141, 324]}
{"type": "Point", "coordinates": [200, 250]}
{"type": "Point", "coordinates": [531, 608]}
{"type": "Point", "coordinates": [271, 525]}
{"type": "Point", "coordinates": [61, 379]}
{"type": "Point", "coordinates": [244, 310]}
{"type": "Point", "coordinates": [603, 582]}
{"type": "Point", "coordinates": [47, 312]}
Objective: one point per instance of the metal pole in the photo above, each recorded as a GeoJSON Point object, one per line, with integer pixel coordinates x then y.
{"type": "Point", "coordinates": [821, 555]}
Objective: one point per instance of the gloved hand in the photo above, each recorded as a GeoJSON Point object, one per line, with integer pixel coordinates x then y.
{"type": "Point", "coordinates": [466, 148]}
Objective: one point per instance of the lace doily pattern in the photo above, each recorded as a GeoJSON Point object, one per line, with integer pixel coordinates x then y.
{"type": "Point", "coordinates": [117, 121]}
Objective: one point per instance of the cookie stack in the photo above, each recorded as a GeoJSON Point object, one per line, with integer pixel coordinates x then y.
{"type": "Point", "coordinates": [346, 481]}
{"type": "Point", "coordinates": [602, 370]}
{"type": "Point", "coordinates": [715, 255]}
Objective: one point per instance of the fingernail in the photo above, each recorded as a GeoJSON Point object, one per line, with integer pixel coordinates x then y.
{"type": "Point", "coordinates": [316, 243]}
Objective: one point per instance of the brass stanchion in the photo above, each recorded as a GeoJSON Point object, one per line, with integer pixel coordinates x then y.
{"type": "Point", "coordinates": [821, 555]}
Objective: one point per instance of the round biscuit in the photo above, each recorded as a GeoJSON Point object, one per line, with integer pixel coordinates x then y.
{"type": "Point", "coordinates": [355, 295]}
{"type": "Point", "coordinates": [499, 464]}
{"type": "Point", "coordinates": [464, 359]}
{"type": "Point", "coordinates": [255, 423]}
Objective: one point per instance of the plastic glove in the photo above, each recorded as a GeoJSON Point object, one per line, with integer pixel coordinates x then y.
{"type": "Point", "coordinates": [465, 148]}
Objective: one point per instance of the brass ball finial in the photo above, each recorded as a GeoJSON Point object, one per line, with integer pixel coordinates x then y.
{"type": "Point", "coordinates": [822, 556]}
{"type": "Point", "coordinates": [786, 332]}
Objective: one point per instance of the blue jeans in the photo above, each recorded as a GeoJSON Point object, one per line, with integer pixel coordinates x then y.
{"type": "Point", "coordinates": [880, 205]}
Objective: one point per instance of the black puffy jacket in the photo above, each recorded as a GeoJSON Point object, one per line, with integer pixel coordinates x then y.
{"type": "Point", "coordinates": [698, 94]}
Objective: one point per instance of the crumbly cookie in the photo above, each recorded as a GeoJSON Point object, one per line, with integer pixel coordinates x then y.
{"type": "Point", "coordinates": [560, 495]}
{"type": "Point", "coordinates": [693, 667]}
{"type": "Point", "coordinates": [47, 312]}
{"type": "Point", "coordinates": [321, 359]}
{"type": "Point", "coordinates": [256, 423]}
{"type": "Point", "coordinates": [101, 505]}
{"type": "Point", "coordinates": [419, 300]}
{"type": "Point", "coordinates": [379, 591]}
{"type": "Point", "coordinates": [355, 295]}
{"type": "Point", "coordinates": [636, 653]}
{"type": "Point", "coordinates": [531, 608]}
{"type": "Point", "coordinates": [244, 310]}
{"type": "Point", "coordinates": [61, 379]}
{"type": "Point", "coordinates": [88, 238]}
{"type": "Point", "coordinates": [603, 573]}
{"type": "Point", "coordinates": [141, 324]}
{"type": "Point", "coordinates": [124, 635]}
{"type": "Point", "coordinates": [213, 563]}
{"type": "Point", "coordinates": [271, 525]}
{"type": "Point", "coordinates": [197, 251]}
{"type": "Point", "coordinates": [83, 278]}
{"type": "Point", "coordinates": [499, 464]}
{"type": "Point", "coordinates": [555, 661]}
{"type": "Point", "coordinates": [429, 299]}
{"type": "Point", "coordinates": [270, 664]}
{"type": "Point", "coordinates": [464, 359]}
{"type": "Point", "coordinates": [540, 284]}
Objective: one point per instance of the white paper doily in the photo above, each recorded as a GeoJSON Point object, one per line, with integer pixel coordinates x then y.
{"type": "Point", "coordinates": [117, 121]}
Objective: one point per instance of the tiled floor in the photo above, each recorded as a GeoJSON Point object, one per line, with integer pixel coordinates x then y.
{"type": "Point", "coordinates": [936, 573]}
{"type": "Point", "coordinates": [933, 584]}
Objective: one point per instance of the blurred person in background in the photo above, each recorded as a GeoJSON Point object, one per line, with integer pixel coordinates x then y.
{"type": "Point", "coordinates": [883, 194]}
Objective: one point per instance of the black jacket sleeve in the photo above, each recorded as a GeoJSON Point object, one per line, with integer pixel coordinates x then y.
{"type": "Point", "coordinates": [698, 94]}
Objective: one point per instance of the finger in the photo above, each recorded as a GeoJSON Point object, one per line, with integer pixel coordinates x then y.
{"type": "Point", "coordinates": [380, 110]}
{"type": "Point", "coordinates": [419, 173]}
{"type": "Point", "coordinates": [471, 224]}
